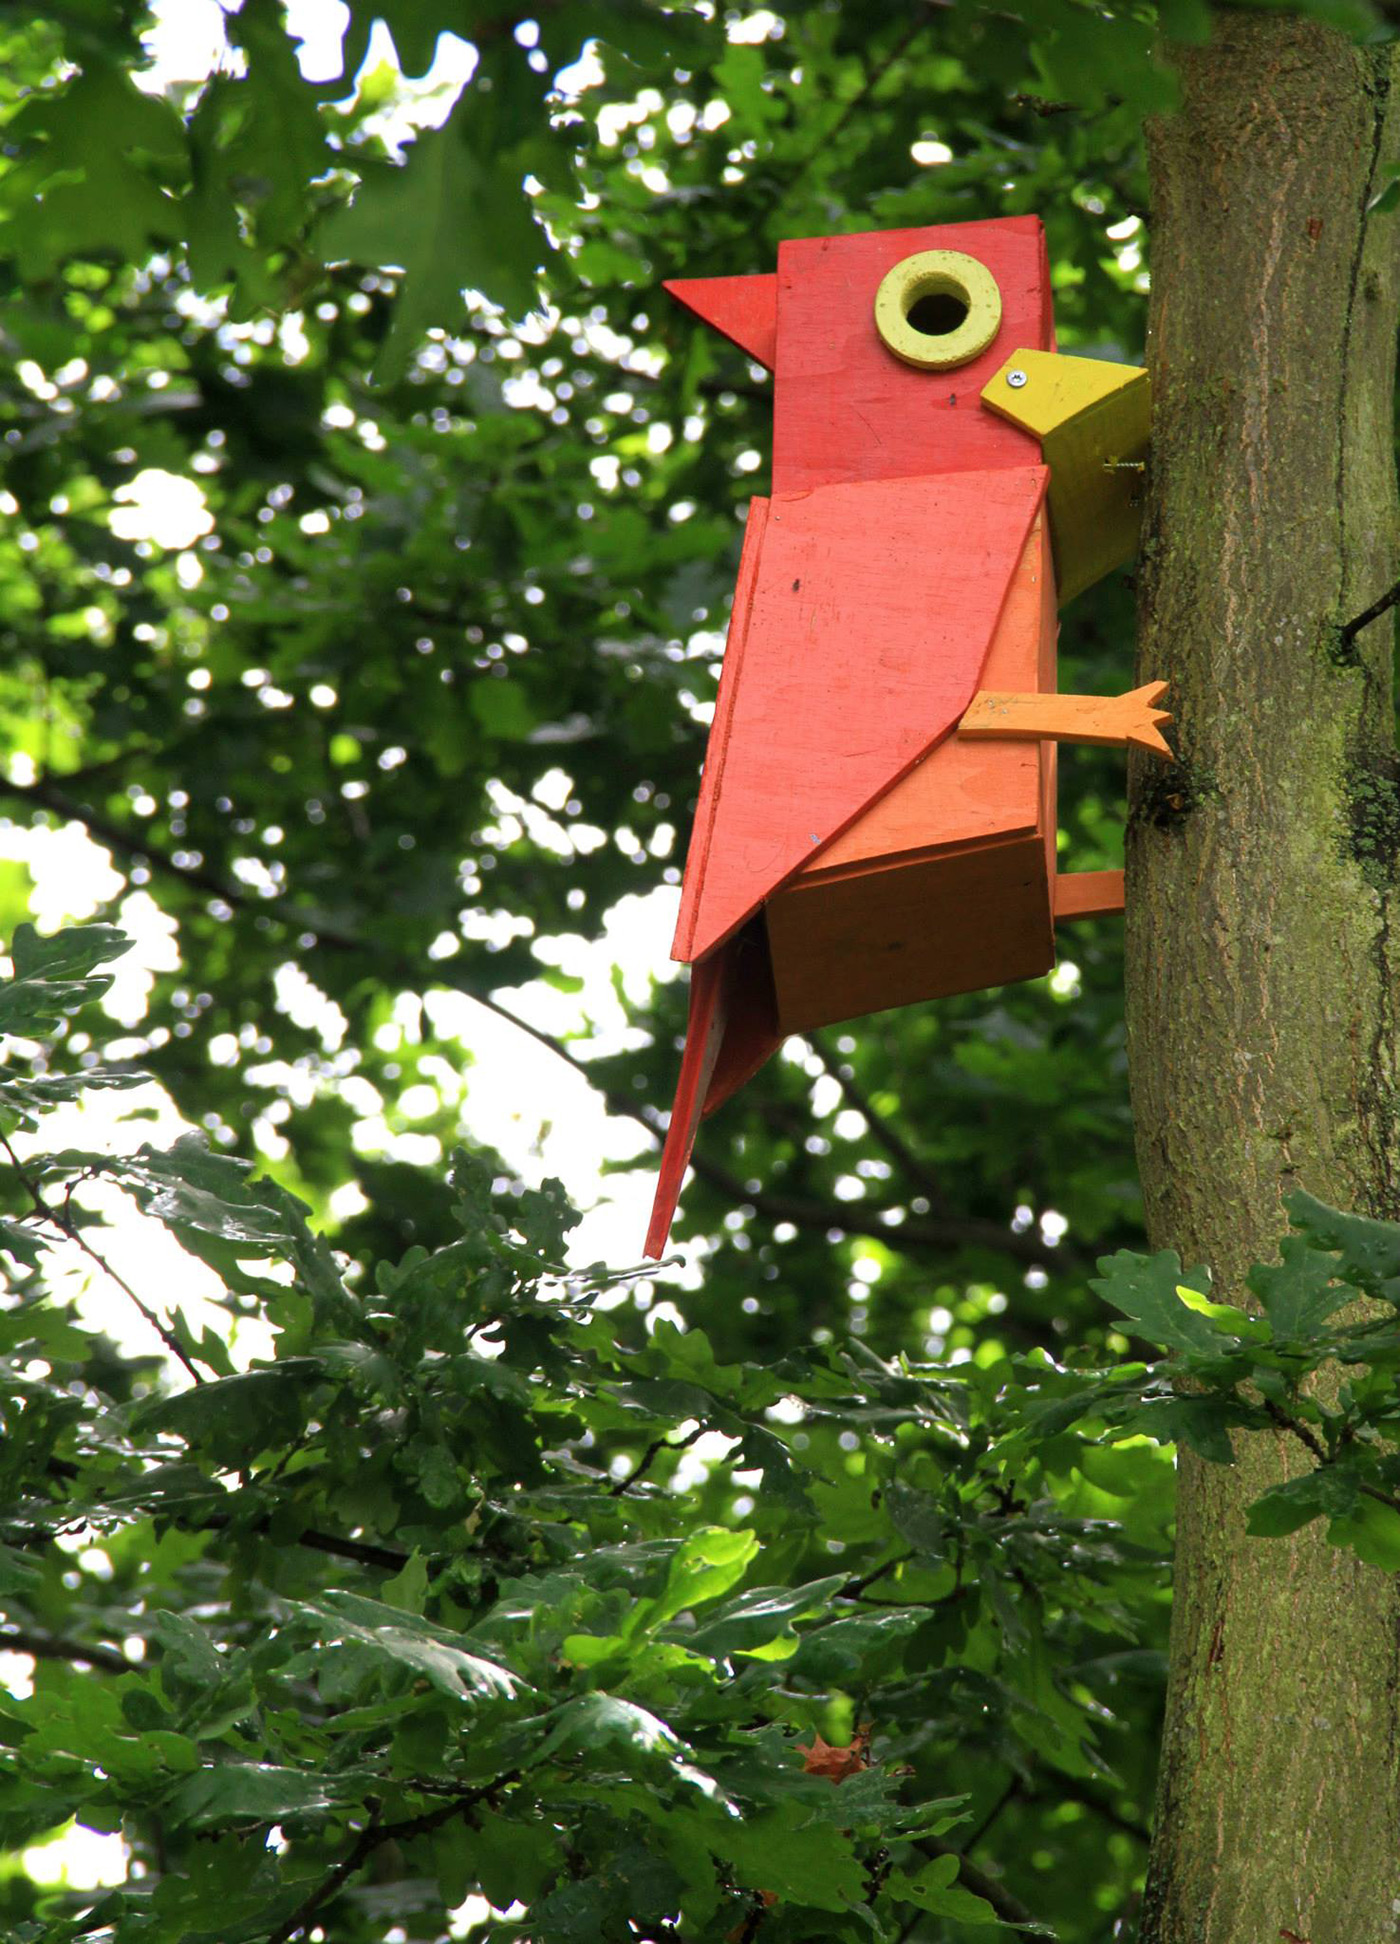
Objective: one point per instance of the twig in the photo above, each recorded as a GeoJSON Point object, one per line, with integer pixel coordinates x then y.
{"type": "Point", "coordinates": [19, 1640]}
{"type": "Point", "coordinates": [649, 1457]}
{"type": "Point", "coordinates": [1008, 1794]}
{"type": "Point", "coordinates": [890, 1139]}
{"type": "Point", "coordinates": [1310, 1442]}
{"type": "Point", "coordinates": [1348, 633]}
{"type": "Point", "coordinates": [872, 81]}
{"type": "Point", "coordinates": [363, 1552]}
{"type": "Point", "coordinates": [853, 1588]}
{"type": "Point", "coordinates": [67, 1227]}
{"type": "Point", "coordinates": [376, 1833]}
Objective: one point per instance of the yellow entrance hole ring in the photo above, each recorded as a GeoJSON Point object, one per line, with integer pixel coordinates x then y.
{"type": "Point", "coordinates": [938, 309]}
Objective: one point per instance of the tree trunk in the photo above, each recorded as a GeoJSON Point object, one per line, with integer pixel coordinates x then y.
{"type": "Point", "coordinates": [1261, 968]}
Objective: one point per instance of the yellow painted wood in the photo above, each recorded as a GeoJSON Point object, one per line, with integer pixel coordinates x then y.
{"type": "Point", "coordinates": [938, 273]}
{"type": "Point", "coordinates": [1110, 720]}
{"type": "Point", "coordinates": [1093, 420]}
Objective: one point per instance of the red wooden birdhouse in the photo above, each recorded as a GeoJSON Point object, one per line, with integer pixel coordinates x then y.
{"type": "Point", "coordinates": [876, 820]}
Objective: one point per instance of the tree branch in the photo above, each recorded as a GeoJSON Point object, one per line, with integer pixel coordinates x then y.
{"type": "Point", "coordinates": [20, 1640]}
{"type": "Point", "coordinates": [376, 1833]}
{"type": "Point", "coordinates": [70, 1230]}
{"type": "Point", "coordinates": [1348, 633]}
{"type": "Point", "coordinates": [890, 1139]}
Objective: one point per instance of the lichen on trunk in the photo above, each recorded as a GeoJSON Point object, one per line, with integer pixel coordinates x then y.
{"type": "Point", "coordinates": [1261, 887]}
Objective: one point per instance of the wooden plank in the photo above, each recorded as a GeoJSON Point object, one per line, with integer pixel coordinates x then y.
{"type": "Point", "coordinates": [1093, 419]}
{"type": "Point", "coordinates": [732, 1029]}
{"type": "Point", "coordinates": [845, 408]}
{"type": "Point", "coordinates": [703, 1033]}
{"type": "Point", "coordinates": [967, 792]}
{"type": "Point", "coordinates": [861, 644]}
{"type": "Point", "coordinates": [849, 946]}
{"type": "Point", "coordinates": [743, 309]}
{"type": "Point", "coordinates": [1110, 721]}
{"type": "Point", "coordinates": [1087, 894]}
{"type": "Point", "coordinates": [717, 746]}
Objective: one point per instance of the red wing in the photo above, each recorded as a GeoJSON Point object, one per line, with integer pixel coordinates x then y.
{"type": "Point", "coordinates": [862, 618]}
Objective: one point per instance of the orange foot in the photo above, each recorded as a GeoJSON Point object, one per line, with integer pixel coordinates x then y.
{"type": "Point", "coordinates": [1112, 720]}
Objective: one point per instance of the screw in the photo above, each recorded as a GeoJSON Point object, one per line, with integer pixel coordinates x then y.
{"type": "Point", "coordinates": [1015, 379]}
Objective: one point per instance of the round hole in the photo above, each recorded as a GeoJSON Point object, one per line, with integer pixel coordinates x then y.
{"type": "Point", "coordinates": [937, 309]}
{"type": "Point", "coordinates": [937, 313]}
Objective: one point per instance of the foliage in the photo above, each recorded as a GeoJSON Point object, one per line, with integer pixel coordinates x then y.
{"type": "Point", "coordinates": [471, 1573]}
{"type": "Point", "coordinates": [435, 1579]}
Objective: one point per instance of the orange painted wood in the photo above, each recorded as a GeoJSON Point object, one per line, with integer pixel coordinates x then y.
{"type": "Point", "coordinates": [703, 1034]}
{"type": "Point", "coordinates": [751, 1034]}
{"type": "Point", "coordinates": [731, 1031]}
{"type": "Point", "coordinates": [1087, 894]}
{"type": "Point", "coordinates": [966, 792]}
{"type": "Point", "coordinates": [936, 926]}
{"type": "Point", "coordinates": [846, 409]}
{"type": "Point", "coordinates": [855, 648]}
{"type": "Point", "coordinates": [743, 309]}
{"type": "Point", "coordinates": [1107, 720]}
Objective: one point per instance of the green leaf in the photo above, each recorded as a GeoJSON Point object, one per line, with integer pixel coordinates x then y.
{"type": "Point", "coordinates": [707, 1564]}
{"type": "Point", "coordinates": [1369, 1250]}
{"type": "Point", "coordinates": [935, 1889]}
{"type": "Point", "coordinates": [450, 219]}
{"type": "Point", "coordinates": [248, 1792]}
{"type": "Point", "coordinates": [1332, 1491]}
{"type": "Point", "coordinates": [1372, 1532]}
{"type": "Point", "coordinates": [406, 1641]}
{"type": "Point", "coordinates": [1147, 1290]}
{"type": "Point", "coordinates": [1300, 1293]}
{"type": "Point", "coordinates": [808, 1864]}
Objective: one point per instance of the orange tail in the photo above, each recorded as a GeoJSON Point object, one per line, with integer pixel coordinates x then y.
{"type": "Point", "coordinates": [731, 1031]}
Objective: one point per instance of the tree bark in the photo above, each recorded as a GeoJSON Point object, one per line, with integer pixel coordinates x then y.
{"type": "Point", "coordinates": [1261, 885]}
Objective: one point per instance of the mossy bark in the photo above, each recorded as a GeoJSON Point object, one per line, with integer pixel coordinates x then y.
{"type": "Point", "coordinates": [1262, 970]}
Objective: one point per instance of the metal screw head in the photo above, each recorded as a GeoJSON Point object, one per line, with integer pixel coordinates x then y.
{"type": "Point", "coordinates": [1015, 379]}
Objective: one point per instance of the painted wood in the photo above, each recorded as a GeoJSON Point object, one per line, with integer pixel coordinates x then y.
{"type": "Point", "coordinates": [966, 791]}
{"type": "Point", "coordinates": [845, 408]}
{"type": "Point", "coordinates": [862, 642]}
{"type": "Point", "coordinates": [1111, 721]}
{"type": "Point", "coordinates": [703, 1034]}
{"type": "Point", "coordinates": [943, 885]}
{"type": "Point", "coordinates": [1093, 421]}
{"type": "Point", "coordinates": [954, 922]}
{"type": "Point", "coordinates": [731, 1031]}
{"type": "Point", "coordinates": [743, 309]}
{"type": "Point", "coordinates": [1087, 894]}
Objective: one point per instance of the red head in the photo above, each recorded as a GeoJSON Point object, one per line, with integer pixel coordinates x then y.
{"type": "Point", "coordinates": [847, 406]}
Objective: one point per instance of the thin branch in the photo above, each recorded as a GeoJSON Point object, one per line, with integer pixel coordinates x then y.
{"type": "Point", "coordinates": [853, 1588]}
{"type": "Point", "coordinates": [19, 1640]}
{"type": "Point", "coordinates": [372, 1836]}
{"type": "Point", "coordinates": [890, 1139]}
{"type": "Point", "coordinates": [1008, 1795]}
{"type": "Point", "coordinates": [1348, 633]}
{"type": "Point", "coordinates": [872, 81]}
{"type": "Point", "coordinates": [1311, 1442]}
{"type": "Point", "coordinates": [68, 1228]}
{"type": "Point", "coordinates": [363, 1552]}
{"type": "Point", "coordinates": [940, 1233]}
{"type": "Point", "coordinates": [649, 1457]}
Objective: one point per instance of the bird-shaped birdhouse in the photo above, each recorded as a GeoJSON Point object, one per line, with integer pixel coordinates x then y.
{"type": "Point", "coordinates": [876, 818]}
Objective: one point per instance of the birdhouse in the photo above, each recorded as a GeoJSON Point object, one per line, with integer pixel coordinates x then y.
{"type": "Point", "coordinates": [876, 817]}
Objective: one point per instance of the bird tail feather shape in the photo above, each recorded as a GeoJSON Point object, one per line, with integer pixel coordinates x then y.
{"type": "Point", "coordinates": [731, 1031]}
